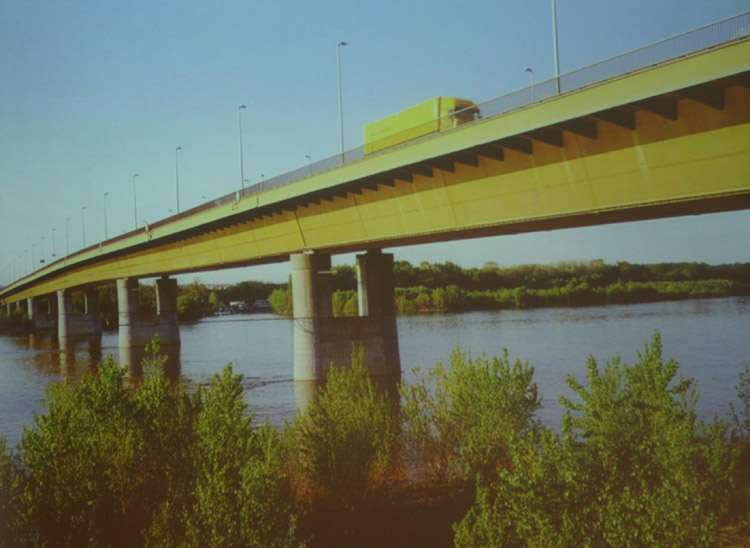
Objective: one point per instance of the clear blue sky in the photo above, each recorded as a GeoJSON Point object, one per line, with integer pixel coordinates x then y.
{"type": "Point", "coordinates": [92, 92]}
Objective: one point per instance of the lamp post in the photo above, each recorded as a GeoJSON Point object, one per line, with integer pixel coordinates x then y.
{"type": "Point", "coordinates": [309, 163]}
{"type": "Point", "coordinates": [41, 251]}
{"type": "Point", "coordinates": [83, 227]}
{"type": "Point", "coordinates": [177, 177]}
{"type": "Point", "coordinates": [554, 46]}
{"type": "Point", "coordinates": [531, 80]}
{"type": "Point", "coordinates": [53, 242]}
{"type": "Point", "coordinates": [242, 163]}
{"type": "Point", "coordinates": [104, 199]}
{"type": "Point", "coordinates": [341, 109]}
{"type": "Point", "coordinates": [135, 208]}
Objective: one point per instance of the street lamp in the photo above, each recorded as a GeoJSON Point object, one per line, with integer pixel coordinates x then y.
{"type": "Point", "coordinates": [83, 227]}
{"type": "Point", "coordinates": [242, 164]}
{"type": "Point", "coordinates": [104, 199]}
{"type": "Point", "coordinates": [554, 46]}
{"type": "Point", "coordinates": [53, 242]}
{"type": "Point", "coordinates": [177, 177]}
{"type": "Point", "coordinates": [41, 251]}
{"type": "Point", "coordinates": [135, 208]}
{"type": "Point", "coordinates": [341, 110]}
{"type": "Point", "coordinates": [309, 163]}
{"type": "Point", "coordinates": [531, 80]}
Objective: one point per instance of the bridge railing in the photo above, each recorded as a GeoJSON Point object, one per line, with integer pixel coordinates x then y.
{"type": "Point", "coordinates": [706, 37]}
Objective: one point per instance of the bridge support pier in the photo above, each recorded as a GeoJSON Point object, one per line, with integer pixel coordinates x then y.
{"type": "Point", "coordinates": [42, 312]}
{"type": "Point", "coordinates": [320, 339]}
{"type": "Point", "coordinates": [73, 325]}
{"type": "Point", "coordinates": [137, 329]}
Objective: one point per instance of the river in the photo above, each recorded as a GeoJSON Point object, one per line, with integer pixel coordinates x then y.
{"type": "Point", "coordinates": [710, 339]}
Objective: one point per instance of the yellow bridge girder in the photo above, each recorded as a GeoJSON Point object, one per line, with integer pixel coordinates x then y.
{"type": "Point", "coordinates": [670, 140]}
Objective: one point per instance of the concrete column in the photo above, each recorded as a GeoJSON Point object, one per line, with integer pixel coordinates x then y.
{"type": "Point", "coordinates": [137, 329]}
{"type": "Point", "coordinates": [73, 325]}
{"type": "Point", "coordinates": [376, 293]}
{"type": "Point", "coordinates": [32, 307]}
{"type": "Point", "coordinates": [311, 296]}
{"type": "Point", "coordinates": [42, 317]}
{"type": "Point", "coordinates": [64, 312]}
{"type": "Point", "coordinates": [166, 309]}
{"type": "Point", "coordinates": [321, 340]}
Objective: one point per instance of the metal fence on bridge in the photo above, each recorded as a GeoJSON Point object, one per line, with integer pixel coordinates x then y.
{"type": "Point", "coordinates": [707, 37]}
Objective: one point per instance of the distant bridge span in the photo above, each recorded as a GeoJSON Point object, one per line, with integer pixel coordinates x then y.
{"type": "Point", "coordinates": [671, 139]}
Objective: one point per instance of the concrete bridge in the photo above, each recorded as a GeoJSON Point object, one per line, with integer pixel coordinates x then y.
{"type": "Point", "coordinates": [658, 132]}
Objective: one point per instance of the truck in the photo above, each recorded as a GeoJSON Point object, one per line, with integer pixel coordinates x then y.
{"type": "Point", "coordinates": [432, 116]}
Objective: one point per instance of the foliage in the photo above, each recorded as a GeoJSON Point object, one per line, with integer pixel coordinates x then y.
{"type": "Point", "coordinates": [345, 446]}
{"type": "Point", "coordinates": [109, 466]}
{"type": "Point", "coordinates": [633, 468]}
{"type": "Point", "coordinates": [281, 301]}
{"type": "Point", "coordinates": [460, 422]}
{"type": "Point", "coordinates": [196, 301]}
{"type": "Point", "coordinates": [239, 500]}
{"type": "Point", "coordinates": [248, 292]}
{"type": "Point", "coordinates": [740, 417]}
{"type": "Point", "coordinates": [344, 303]}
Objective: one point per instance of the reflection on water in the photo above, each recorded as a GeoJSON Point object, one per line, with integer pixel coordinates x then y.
{"type": "Point", "coordinates": [710, 339]}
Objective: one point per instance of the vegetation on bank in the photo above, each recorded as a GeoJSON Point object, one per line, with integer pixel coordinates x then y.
{"type": "Point", "coordinates": [446, 287]}
{"type": "Point", "coordinates": [106, 465]}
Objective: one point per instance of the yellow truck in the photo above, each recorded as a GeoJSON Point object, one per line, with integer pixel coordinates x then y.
{"type": "Point", "coordinates": [437, 114]}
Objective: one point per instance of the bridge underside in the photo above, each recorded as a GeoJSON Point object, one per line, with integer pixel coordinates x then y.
{"type": "Point", "coordinates": [601, 155]}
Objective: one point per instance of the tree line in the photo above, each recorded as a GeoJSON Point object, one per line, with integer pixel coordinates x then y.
{"type": "Point", "coordinates": [446, 287]}
{"type": "Point", "coordinates": [462, 461]}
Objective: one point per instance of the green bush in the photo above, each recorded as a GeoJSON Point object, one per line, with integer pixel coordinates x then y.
{"type": "Point", "coordinates": [633, 468]}
{"type": "Point", "coordinates": [109, 466]}
{"type": "Point", "coordinates": [281, 301]}
{"type": "Point", "coordinates": [460, 421]}
{"type": "Point", "coordinates": [239, 496]}
{"type": "Point", "coordinates": [345, 446]}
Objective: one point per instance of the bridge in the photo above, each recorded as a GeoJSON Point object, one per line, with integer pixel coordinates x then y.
{"type": "Point", "coordinates": [660, 131]}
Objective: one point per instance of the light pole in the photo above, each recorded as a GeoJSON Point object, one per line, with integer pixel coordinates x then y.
{"type": "Point", "coordinates": [104, 199]}
{"type": "Point", "coordinates": [177, 177]}
{"type": "Point", "coordinates": [67, 239]}
{"type": "Point", "coordinates": [309, 163]}
{"type": "Point", "coordinates": [135, 208]}
{"type": "Point", "coordinates": [41, 251]}
{"type": "Point", "coordinates": [83, 227]}
{"type": "Point", "coordinates": [53, 242]}
{"type": "Point", "coordinates": [341, 109]}
{"type": "Point", "coordinates": [242, 163]}
{"type": "Point", "coordinates": [531, 80]}
{"type": "Point", "coordinates": [554, 46]}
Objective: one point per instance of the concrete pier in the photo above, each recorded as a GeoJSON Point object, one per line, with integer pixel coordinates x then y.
{"type": "Point", "coordinates": [136, 329]}
{"type": "Point", "coordinates": [70, 324]}
{"type": "Point", "coordinates": [42, 312]}
{"type": "Point", "coordinates": [321, 340]}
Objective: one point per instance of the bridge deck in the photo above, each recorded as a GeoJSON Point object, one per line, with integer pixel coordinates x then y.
{"type": "Point", "coordinates": [673, 139]}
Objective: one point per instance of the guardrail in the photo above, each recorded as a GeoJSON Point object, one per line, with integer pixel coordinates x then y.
{"type": "Point", "coordinates": [702, 38]}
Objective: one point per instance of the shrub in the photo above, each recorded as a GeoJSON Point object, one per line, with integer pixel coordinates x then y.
{"type": "Point", "coordinates": [281, 301]}
{"type": "Point", "coordinates": [633, 468]}
{"type": "Point", "coordinates": [239, 496]}
{"type": "Point", "coordinates": [345, 446]}
{"type": "Point", "coordinates": [460, 421]}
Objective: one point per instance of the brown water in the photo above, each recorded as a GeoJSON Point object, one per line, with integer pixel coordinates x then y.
{"type": "Point", "coordinates": [710, 339]}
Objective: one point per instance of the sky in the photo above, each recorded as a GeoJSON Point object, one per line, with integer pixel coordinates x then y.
{"type": "Point", "coordinates": [95, 91]}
